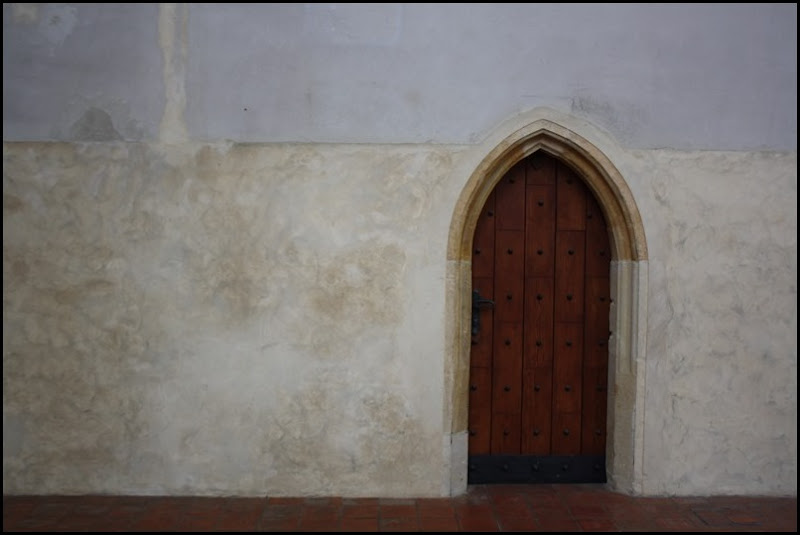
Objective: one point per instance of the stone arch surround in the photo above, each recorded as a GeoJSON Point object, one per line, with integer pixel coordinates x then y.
{"type": "Point", "coordinates": [628, 288]}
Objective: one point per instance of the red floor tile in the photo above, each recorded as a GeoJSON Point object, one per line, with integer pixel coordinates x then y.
{"type": "Point", "coordinates": [435, 507]}
{"type": "Point", "coordinates": [633, 521]}
{"type": "Point", "coordinates": [587, 511]}
{"type": "Point", "coordinates": [238, 520]}
{"type": "Point", "coordinates": [597, 524]}
{"type": "Point", "coordinates": [557, 523]}
{"type": "Point", "coordinates": [743, 518]}
{"type": "Point", "coordinates": [399, 524]}
{"type": "Point", "coordinates": [712, 518]}
{"type": "Point", "coordinates": [438, 523]}
{"type": "Point", "coordinates": [361, 501]}
{"type": "Point", "coordinates": [359, 524]}
{"type": "Point", "coordinates": [155, 522]}
{"type": "Point", "coordinates": [478, 508]}
{"type": "Point", "coordinates": [286, 501]}
{"type": "Point", "coordinates": [521, 523]}
{"type": "Point", "coordinates": [398, 511]}
{"type": "Point", "coordinates": [477, 521]}
{"type": "Point", "coordinates": [282, 524]}
{"type": "Point", "coordinates": [677, 523]}
{"type": "Point", "coordinates": [360, 511]}
{"type": "Point", "coordinates": [312, 520]}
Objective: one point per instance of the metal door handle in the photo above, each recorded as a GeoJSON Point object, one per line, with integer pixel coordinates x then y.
{"type": "Point", "coordinates": [478, 303]}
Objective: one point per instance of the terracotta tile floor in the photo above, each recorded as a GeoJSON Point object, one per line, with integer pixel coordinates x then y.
{"type": "Point", "coordinates": [483, 508]}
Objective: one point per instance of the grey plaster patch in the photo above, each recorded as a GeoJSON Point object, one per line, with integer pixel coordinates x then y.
{"type": "Point", "coordinates": [94, 125]}
{"type": "Point", "coordinates": [12, 203]}
{"type": "Point", "coordinates": [624, 119]}
{"type": "Point", "coordinates": [61, 60]}
{"type": "Point", "coordinates": [172, 39]}
{"type": "Point", "coordinates": [25, 13]}
{"type": "Point", "coordinates": [349, 24]}
{"type": "Point", "coordinates": [57, 22]}
{"type": "Point", "coordinates": [14, 437]}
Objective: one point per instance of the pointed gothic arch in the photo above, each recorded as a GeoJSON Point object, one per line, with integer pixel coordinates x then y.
{"type": "Point", "coordinates": [628, 289]}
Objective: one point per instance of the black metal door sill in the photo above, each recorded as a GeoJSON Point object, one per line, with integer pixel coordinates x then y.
{"type": "Point", "coordinates": [485, 469]}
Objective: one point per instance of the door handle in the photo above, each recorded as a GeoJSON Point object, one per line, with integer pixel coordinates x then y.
{"type": "Point", "coordinates": [478, 303]}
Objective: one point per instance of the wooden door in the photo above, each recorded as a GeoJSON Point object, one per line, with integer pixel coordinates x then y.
{"type": "Point", "coordinates": [539, 360]}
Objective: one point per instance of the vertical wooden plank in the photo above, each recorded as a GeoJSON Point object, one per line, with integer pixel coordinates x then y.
{"type": "Point", "coordinates": [507, 368]}
{"type": "Point", "coordinates": [509, 275]}
{"type": "Point", "coordinates": [480, 410]}
{"type": "Point", "coordinates": [598, 245]}
{"type": "Point", "coordinates": [598, 299]}
{"type": "Point", "coordinates": [567, 388]}
{"type": "Point", "coordinates": [483, 282]}
{"type": "Point", "coordinates": [483, 242]}
{"type": "Point", "coordinates": [566, 438]}
{"type": "Point", "coordinates": [597, 320]}
{"type": "Point", "coordinates": [505, 433]}
{"type": "Point", "coordinates": [568, 367]}
{"type": "Point", "coordinates": [509, 307]}
{"type": "Point", "coordinates": [571, 200]}
{"type": "Point", "coordinates": [593, 436]}
{"type": "Point", "coordinates": [540, 231]}
{"type": "Point", "coordinates": [480, 395]}
{"type": "Point", "coordinates": [541, 169]}
{"type": "Point", "coordinates": [510, 200]}
{"type": "Point", "coordinates": [569, 279]}
{"type": "Point", "coordinates": [538, 341]}
{"type": "Point", "coordinates": [537, 402]}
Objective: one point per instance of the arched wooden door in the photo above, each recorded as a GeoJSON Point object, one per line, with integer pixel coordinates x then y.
{"type": "Point", "coordinates": [540, 330]}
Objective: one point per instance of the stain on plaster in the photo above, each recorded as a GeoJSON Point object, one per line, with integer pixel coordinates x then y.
{"type": "Point", "coordinates": [363, 283]}
{"type": "Point", "coordinates": [25, 13]}
{"type": "Point", "coordinates": [353, 293]}
{"type": "Point", "coordinates": [57, 22]}
{"type": "Point", "coordinates": [12, 204]}
{"type": "Point", "coordinates": [333, 432]}
{"type": "Point", "coordinates": [94, 125]}
{"type": "Point", "coordinates": [624, 122]}
{"type": "Point", "coordinates": [173, 40]}
{"type": "Point", "coordinates": [350, 24]}
{"type": "Point", "coordinates": [54, 22]}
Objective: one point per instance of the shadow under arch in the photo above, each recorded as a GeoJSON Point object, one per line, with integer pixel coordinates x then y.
{"type": "Point", "coordinates": [627, 320]}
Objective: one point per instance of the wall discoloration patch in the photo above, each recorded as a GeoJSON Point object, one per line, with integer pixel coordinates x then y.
{"type": "Point", "coordinates": [354, 293]}
{"type": "Point", "coordinates": [27, 13]}
{"type": "Point", "coordinates": [173, 40]}
{"type": "Point", "coordinates": [94, 125]}
{"type": "Point", "coordinates": [12, 203]}
{"type": "Point", "coordinates": [362, 429]}
{"type": "Point", "coordinates": [625, 119]}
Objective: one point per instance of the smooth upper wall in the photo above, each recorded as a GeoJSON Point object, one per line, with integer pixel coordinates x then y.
{"type": "Point", "coordinates": [707, 76]}
{"type": "Point", "coordinates": [225, 233]}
